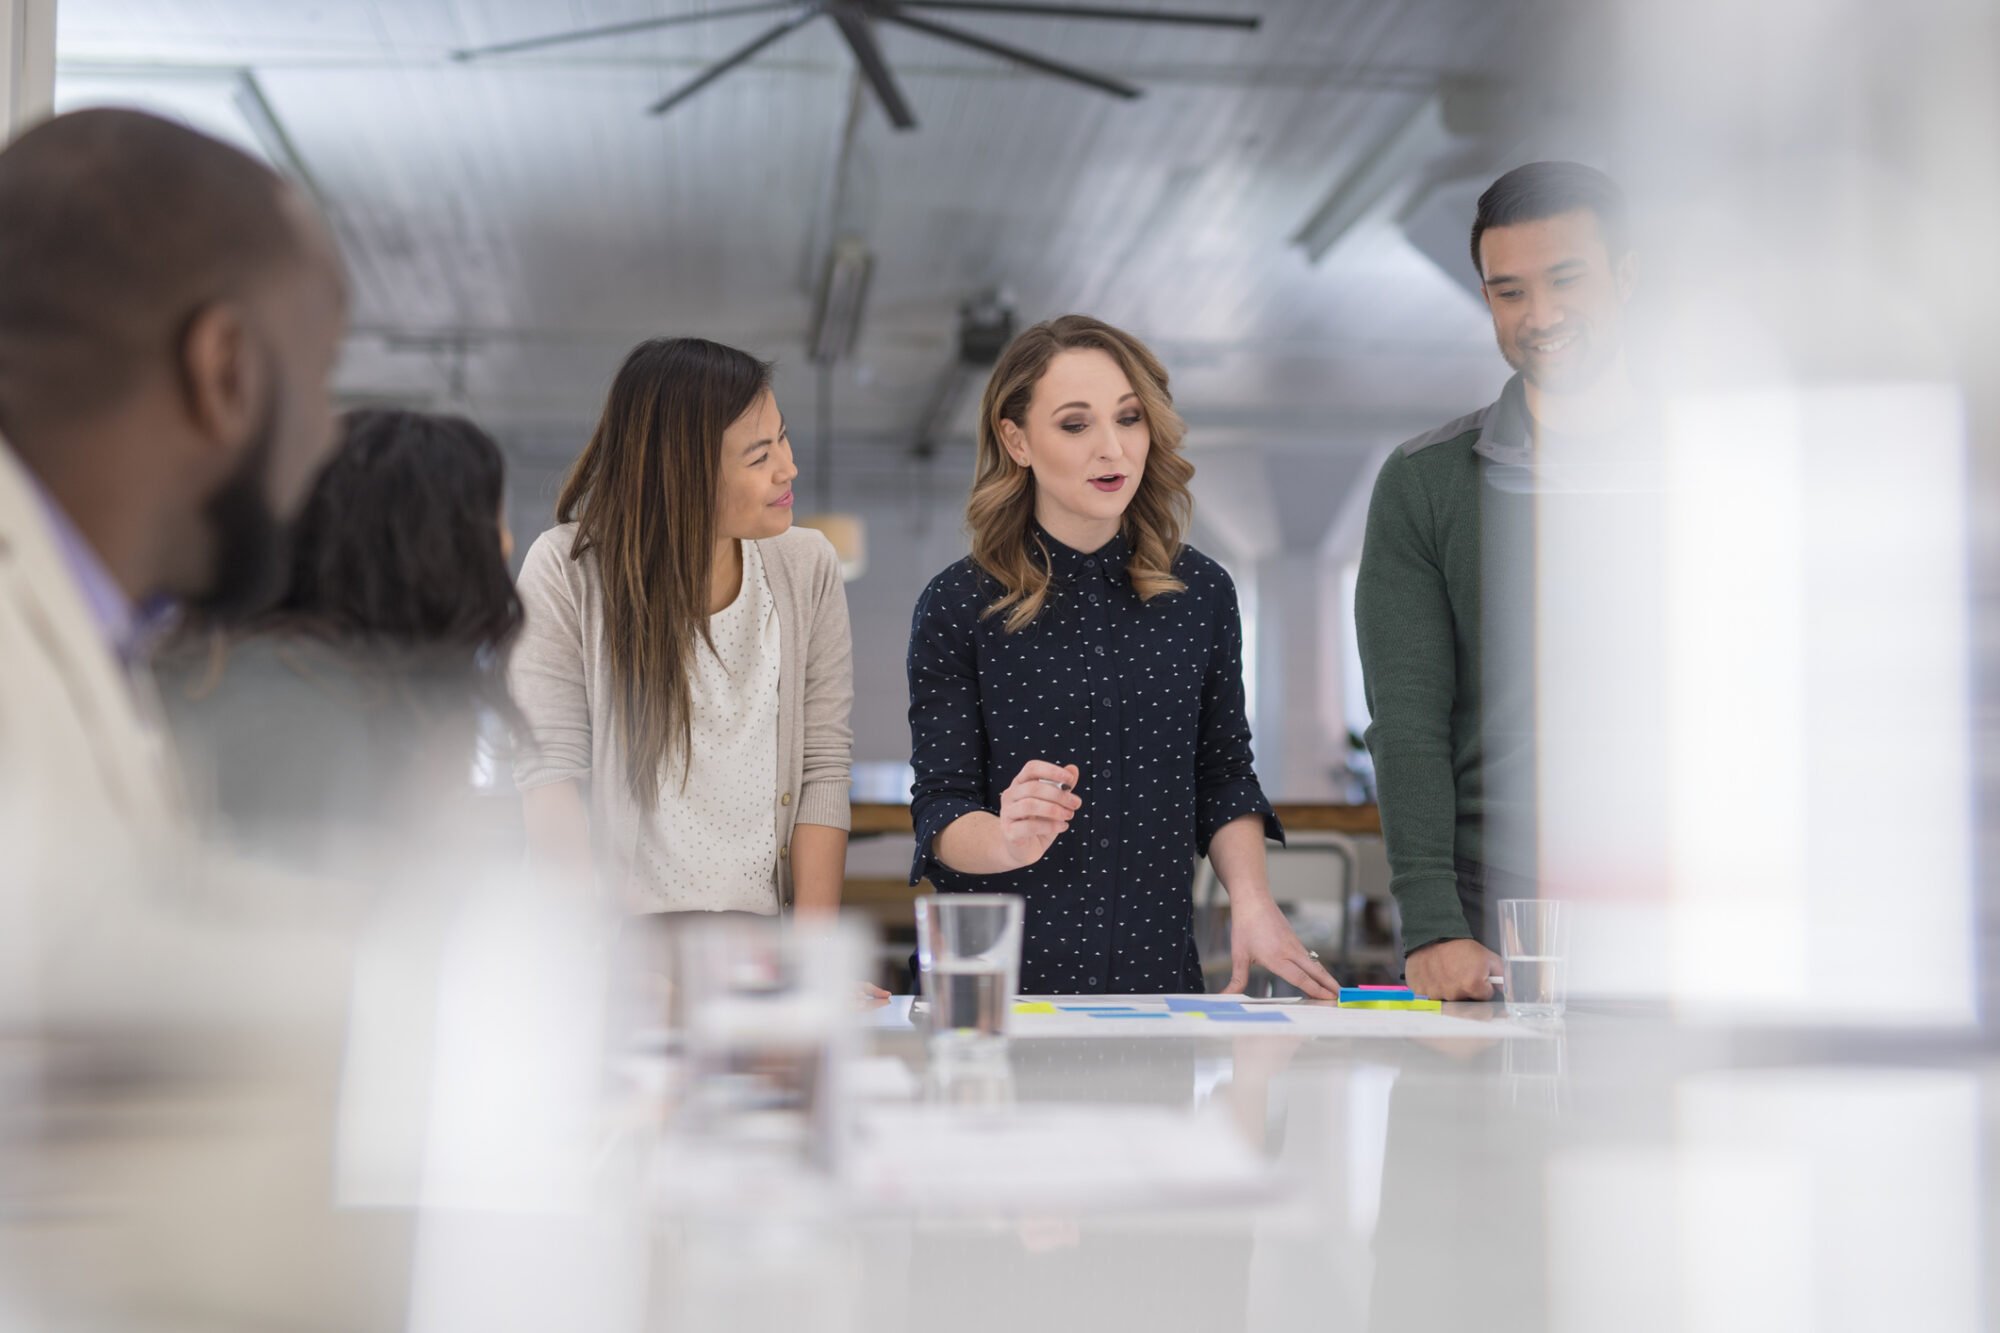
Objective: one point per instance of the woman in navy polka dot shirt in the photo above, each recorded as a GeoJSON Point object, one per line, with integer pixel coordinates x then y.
{"type": "Point", "coordinates": [1076, 687]}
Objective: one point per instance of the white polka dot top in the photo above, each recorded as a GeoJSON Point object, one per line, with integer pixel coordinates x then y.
{"type": "Point", "coordinates": [711, 846]}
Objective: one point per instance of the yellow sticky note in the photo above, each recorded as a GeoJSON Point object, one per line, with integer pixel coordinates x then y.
{"type": "Point", "coordinates": [1417, 1006]}
{"type": "Point", "coordinates": [1034, 1007]}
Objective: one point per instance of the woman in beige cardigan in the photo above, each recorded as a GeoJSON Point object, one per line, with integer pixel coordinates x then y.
{"type": "Point", "coordinates": [685, 667]}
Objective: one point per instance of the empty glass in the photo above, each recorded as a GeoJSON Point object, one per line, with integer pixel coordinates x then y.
{"type": "Point", "coordinates": [1534, 946]}
{"type": "Point", "coordinates": [969, 955]}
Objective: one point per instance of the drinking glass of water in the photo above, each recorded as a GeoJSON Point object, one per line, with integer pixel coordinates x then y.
{"type": "Point", "coordinates": [969, 955]}
{"type": "Point", "coordinates": [1534, 946]}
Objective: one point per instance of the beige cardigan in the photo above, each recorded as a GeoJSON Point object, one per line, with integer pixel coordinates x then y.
{"type": "Point", "coordinates": [560, 677]}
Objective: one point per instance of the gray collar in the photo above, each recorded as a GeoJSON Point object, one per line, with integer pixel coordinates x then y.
{"type": "Point", "coordinates": [1505, 437]}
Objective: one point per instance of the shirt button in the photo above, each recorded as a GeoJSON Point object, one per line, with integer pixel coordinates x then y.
{"type": "Point", "coordinates": [784, 853]}
{"type": "Point", "coordinates": [1104, 842]}
{"type": "Point", "coordinates": [1101, 650]}
{"type": "Point", "coordinates": [1090, 563]}
{"type": "Point", "coordinates": [786, 799]}
{"type": "Point", "coordinates": [1109, 701]}
{"type": "Point", "coordinates": [1093, 597]}
{"type": "Point", "coordinates": [1092, 981]}
{"type": "Point", "coordinates": [1100, 911]}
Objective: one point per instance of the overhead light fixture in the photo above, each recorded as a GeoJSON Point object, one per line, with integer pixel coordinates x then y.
{"type": "Point", "coordinates": [985, 327]}
{"type": "Point", "coordinates": [843, 290]}
{"type": "Point", "coordinates": [1380, 181]}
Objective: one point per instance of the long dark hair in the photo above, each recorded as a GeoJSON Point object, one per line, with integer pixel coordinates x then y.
{"type": "Point", "coordinates": [643, 497]}
{"type": "Point", "coordinates": [398, 545]}
{"type": "Point", "coordinates": [397, 569]}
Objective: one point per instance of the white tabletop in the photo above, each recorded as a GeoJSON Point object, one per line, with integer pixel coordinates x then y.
{"type": "Point", "coordinates": [1619, 1172]}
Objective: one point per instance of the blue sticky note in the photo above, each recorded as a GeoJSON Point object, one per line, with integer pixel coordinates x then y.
{"type": "Point", "coordinates": [1196, 1006]}
{"type": "Point", "coordinates": [1127, 1013]}
{"type": "Point", "coordinates": [1249, 1016]}
{"type": "Point", "coordinates": [1097, 1008]}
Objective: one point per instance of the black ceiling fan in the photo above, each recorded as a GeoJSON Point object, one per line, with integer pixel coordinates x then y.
{"type": "Point", "coordinates": [856, 20]}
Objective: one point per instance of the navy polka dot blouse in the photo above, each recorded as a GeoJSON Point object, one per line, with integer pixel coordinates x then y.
{"type": "Point", "coordinates": [1146, 699]}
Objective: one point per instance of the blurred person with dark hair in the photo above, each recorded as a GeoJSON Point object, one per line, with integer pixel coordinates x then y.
{"type": "Point", "coordinates": [1444, 600]}
{"type": "Point", "coordinates": [686, 667]}
{"type": "Point", "coordinates": [339, 728]}
{"type": "Point", "coordinates": [1076, 687]}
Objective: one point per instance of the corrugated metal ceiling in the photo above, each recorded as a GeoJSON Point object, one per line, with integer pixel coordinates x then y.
{"type": "Point", "coordinates": [514, 224]}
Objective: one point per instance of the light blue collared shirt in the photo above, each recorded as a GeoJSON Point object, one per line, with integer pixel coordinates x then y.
{"type": "Point", "coordinates": [116, 618]}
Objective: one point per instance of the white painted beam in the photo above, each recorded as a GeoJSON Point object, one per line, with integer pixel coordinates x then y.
{"type": "Point", "coordinates": [27, 63]}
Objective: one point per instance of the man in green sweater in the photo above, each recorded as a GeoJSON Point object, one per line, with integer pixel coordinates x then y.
{"type": "Point", "coordinates": [1444, 604]}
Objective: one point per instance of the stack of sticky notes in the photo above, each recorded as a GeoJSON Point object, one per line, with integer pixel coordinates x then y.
{"type": "Point", "coordinates": [1386, 997]}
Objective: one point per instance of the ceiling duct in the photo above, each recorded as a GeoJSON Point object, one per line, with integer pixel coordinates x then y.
{"type": "Point", "coordinates": [1426, 175]}
{"type": "Point", "coordinates": [1380, 182]}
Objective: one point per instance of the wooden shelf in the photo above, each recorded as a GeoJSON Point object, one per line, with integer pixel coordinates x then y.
{"type": "Point", "coordinates": [1361, 821]}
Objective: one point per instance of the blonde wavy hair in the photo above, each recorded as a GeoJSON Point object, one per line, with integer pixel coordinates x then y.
{"type": "Point", "coordinates": [1000, 514]}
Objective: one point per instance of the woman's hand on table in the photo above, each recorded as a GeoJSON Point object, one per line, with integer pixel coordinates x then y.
{"type": "Point", "coordinates": [1260, 935]}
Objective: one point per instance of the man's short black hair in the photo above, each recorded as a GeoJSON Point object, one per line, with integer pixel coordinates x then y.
{"type": "Point", "coordinates": [1543, 190]}
{"type": "Point", "coordinates": [115, 228]}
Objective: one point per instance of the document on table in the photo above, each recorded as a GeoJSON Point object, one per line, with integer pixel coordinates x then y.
{"type": "Point", "coordinates": [1229, 1016]}
{"type": "Point", "coordinates": [1187, 1016]}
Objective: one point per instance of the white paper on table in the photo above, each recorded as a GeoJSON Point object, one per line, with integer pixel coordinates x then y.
{"type": "Point", "coordinates": [978, 1161]}
{"type": "Point", "coordinates": [945, 1159]}
{"type": "Point", "coordinates": [881, 1078]}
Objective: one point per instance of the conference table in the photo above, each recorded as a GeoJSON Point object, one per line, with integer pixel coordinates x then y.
{"type": "Point", "coordinates": [1617, 1169]}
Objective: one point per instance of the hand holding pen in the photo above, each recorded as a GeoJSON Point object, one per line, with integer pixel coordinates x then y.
{"type": "Point", "coordinates": [1037, 809]}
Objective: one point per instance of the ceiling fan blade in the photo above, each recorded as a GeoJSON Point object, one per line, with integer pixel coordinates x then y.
{"type": "Point", "coordinates": [868, 54]}
{"type": "Point", "coordinates": [1183, 17]}
{"type": "Point", "coordinates": [1014, 53]}
{"type": "Point", "coordinates": [737, 57]}
{"type": "Point", "coordinates": [619, 29]}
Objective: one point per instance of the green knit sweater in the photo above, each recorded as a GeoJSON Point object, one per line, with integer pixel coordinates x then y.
{"type": "Point", "coordinates": [1418, 617]}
